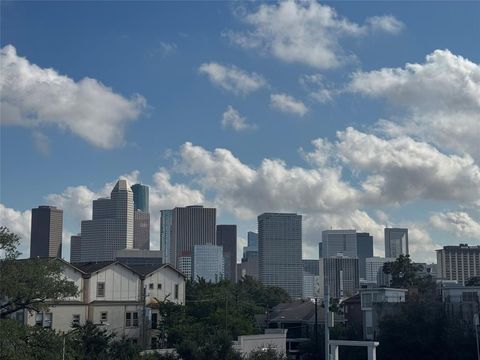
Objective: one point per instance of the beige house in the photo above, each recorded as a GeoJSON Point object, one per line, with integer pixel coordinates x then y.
{"type": "Point", "coordinates": [117, 297]}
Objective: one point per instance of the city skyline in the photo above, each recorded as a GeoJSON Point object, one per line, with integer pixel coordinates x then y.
{"type": "Point", "coordinates": [349, 125]}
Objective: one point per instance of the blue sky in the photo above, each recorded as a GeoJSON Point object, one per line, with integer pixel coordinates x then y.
{"type": "Point", "coordinates": [141, 89]}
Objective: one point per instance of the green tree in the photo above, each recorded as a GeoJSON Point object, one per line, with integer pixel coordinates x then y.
{"type": "Point", "coordinates": [265, 354]}
{"type": "Point", "coordinates": [404, 273]}
{"type": "Point", "coordinates": [30, 284]}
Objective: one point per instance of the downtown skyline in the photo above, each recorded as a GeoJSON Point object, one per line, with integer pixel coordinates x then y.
{"type": "Point", "coordinates": [354, 115]}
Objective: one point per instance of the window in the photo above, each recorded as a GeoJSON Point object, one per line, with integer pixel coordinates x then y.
{"type": "Point", "coordinates": [131, 319]}
{"type": "Point", "coordinates": [75, 319]}
{"type": "Point", "coordinates": [176, 291]}
{"type": "Point", "coordinates": [159, 286]}
{"type": "Point", "coordinates": [39, 319]}
{"type": "Point", "coordinates": [150, 286]}
{"type": "Point", "coordinates": [103, 317]}
{"type": "Point", "coordinates": [101, 289]}
{"type": "Point", "coordinates": [154, 320]}
{"type": "Point", "coordinates": [47, 320]}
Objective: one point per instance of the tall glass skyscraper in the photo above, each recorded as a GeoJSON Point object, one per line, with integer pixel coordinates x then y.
{"type": "Point", "coordinates": [280, 252]}
{"type": "Point", "coordinates": [141, 197]}
{"type": "Point", "coordinates": [227, 237]}
{"type": "Point", "coordinates": [165, 234]}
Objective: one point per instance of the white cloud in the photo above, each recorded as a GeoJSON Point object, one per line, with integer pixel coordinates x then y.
{"type": "Point", "coordinates": [305, 32]}
{"type": "Point", "coordinates": [36, 97]}
{"type": "Point", "coordinates": [18, 222]}
{"type": "Point", "coordinates": [317, 88]}
{"type": "Point", "coordinates": [388, 24]}
{"type": "Point", "coordinates": [457, 222]}
{"type": "Point", "coordinates": [438, 100]}
{"type": "Point", "coordinates": [232, 118]}
{"type": "Point", "coordinates": [402, 169]}
{"type": "Point", "coordinates": [232, 78]}
{"type": "Point", "coordinates": [41, 142]}
{"type": "Point", "coordinates": [288, 104]}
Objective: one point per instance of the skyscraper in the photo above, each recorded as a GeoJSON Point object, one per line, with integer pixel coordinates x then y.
{"type": "Point", "coordinates": [165, 232]}
{"type": "Point", "coordinates": [252, 245]}
{"type": "Point", "coordinates": [339, 243]}
{"type": "Point", "coordinates": [227, 238]}
{"type": "Point", "coordinates": [396, 242]}
{"type": "Point", "coordinates": [46, 232]}
{"type": "Point", "coordinates": [208, 263]}
{"type": "Point", "coordinates": [191, 225]}
{"type": "Point", "coordinates": [141, 218]}
{"type": "Point", "coordinates": [341, 275]}
{"type": "Point", "coordinates": [374, 270]}
{"type": "Point", "coordinates": [280, 251]}
{"type": "Point", "coordinates": [111, 227]}
{"type": "Point", "coordinates": [75, 248]}
{"type": "Point", "coordinates": [141, 197]}
{"type": "Point", "coordinates": [364, 250]}
{"type": "Point", "coordinates": [460, 262]}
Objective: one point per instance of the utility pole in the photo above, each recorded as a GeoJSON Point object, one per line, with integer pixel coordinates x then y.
{"type": "Point", "coordinates": [326, 303]}
{"type": "Point", "coordinates": [226, 308]}
{"type": "Point", "coordinates": [316, 326]}
{"type": "Point", "coordinates": [476, 323]}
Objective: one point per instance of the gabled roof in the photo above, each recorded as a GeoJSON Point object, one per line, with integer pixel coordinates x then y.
{"type": "Point", "coordinates": [91, 267]}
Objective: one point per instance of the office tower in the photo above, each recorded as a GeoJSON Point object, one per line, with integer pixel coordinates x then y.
{"type": "Point", "coordinates": [311, 266]}
{"type": "Point", "coordinates": [165, 231]}
{"type": "Point", "coordinates": [339, 243]}
{"type": "Point", "coordinates": [191, 225]}
{"type": "Point", "coordinates": [227, 238]}
{"type": "Point", "coordinates": [139, 257]}
{"type": "Point", "coordinates": [252, 245]}
{"type": "Point", "coordinates": [320, 248]}
{"type": "Point", "coordinates": [208, 263]}
{"type": "Point", "coordinates": [141, 197]}
{"type": "Point", "coordinates": [396, 242]}
{"type": "Point", "coordinates": [310, 285]}
{"type": "Point", "coordinates": [141, 218]}
{"type": "Point", "coordinates": [458, 263]}
{"type": "Point", "coordinates": [248, 266]}
{"type": "Point", "coordinates": [374, 270]}
{"type": "Point", "coordinates": [364, 250]}
{"type": "Point", "coordinates": [280, 251]}
{"type": "Point", "coordinates": [185, 265]}
{"type": "Point", "coordinates": [341, 275]}
{"type": "Point", "coordinates": [46, 232]}
{"type": "Point", "coordinates": [111, 227]}
{"type": "Point", "coordinates": [75, 248]}
{"type": "Point", "coordinates": [141, 230]}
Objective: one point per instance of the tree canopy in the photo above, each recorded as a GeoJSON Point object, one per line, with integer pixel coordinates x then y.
{"type": "Point", "coordinates": [30, 284]}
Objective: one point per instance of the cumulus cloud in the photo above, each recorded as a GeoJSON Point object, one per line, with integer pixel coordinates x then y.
{"type": "Point", "coordinates": [35, 97]}
{"type": "Point", "coordinates": [231, 118]}
{"type": "Point", "coordinates": [288, 104]}
{"type": "Point", "coordinates": [459, 223]}
{"type": "Point", "coordinates": [403, 169]}
{"type": "Point", "coordinates": [232, 78]}
{"type": "Point", "coordinates": [18, 222]}
{"type": "Point", "coordinates": [318, 89]}
{"type": "Point", "coordinates": [305, 32]}
{"type": "Point", "coordinates": [438, 100]}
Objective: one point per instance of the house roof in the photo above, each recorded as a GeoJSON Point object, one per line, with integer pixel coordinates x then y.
{"type": "Point", "coordinates": [91, 267]}
{"type": "Point", "coordinates": [297, 311]}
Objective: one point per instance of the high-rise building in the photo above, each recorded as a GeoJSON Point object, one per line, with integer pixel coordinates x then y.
{"type": "Point", "coordinates": [46, 232]}
{"type": "Point", "coordinates": [341, 275]}
{"type": "Point", "coordinates": [248, 266]}
{"type": "Point", "coordinates": [141, 197]}
{"type": "Point", "coordinates": [339, 243]}
{"type": "Point", "coordinates": [364, 251]}
{"type": "Point", "coordinates": [311, 266]}
{"type": "Point", "coordinates": [374, 270]}
{"type": "Point", "coordinates": [280, 251]}
{"type": "Point", "coordinates": [141, 218]}
{"type": "Point", "coordinates": [191, 225]}
{"type": "Point", "coordinates": [227, 238]}
{"type": "Point", "coordinates": [141, 230]}
{"type": "Point", "coordinates": [185, 265]}
{"type": "Point", "coordinates": [75, 248]}
{"type": "Point", "coordinates": [458, 263]}
{"type": "Point", "coordinates": [111, 227]}
{"type": "Point", "coordinates": [396, 242]}
{"type": "Point", "coordinates": [310, 285]}
{"type": "Point", "coordinates": [165, 232]}
{"type": "Point", "coordinates": [252, 245]}
{"type": "Point", "coordinates": [208, 263]}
